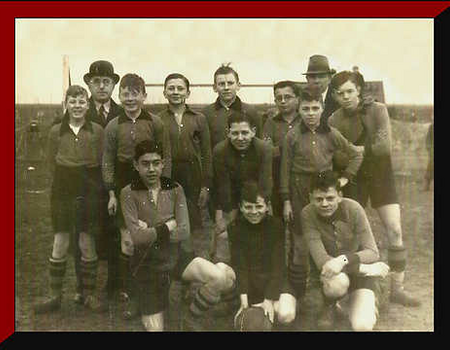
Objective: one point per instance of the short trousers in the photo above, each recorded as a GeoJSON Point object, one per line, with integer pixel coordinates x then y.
{"type": "Point", "coordinates": [153, 286]}
{"type": "Point", "coordinates": [75, 198]}
{"type": "Point", "coordinates": [375, 180]}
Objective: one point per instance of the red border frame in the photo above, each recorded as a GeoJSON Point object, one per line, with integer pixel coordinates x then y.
{"type": "Point", "coordinates": [175, 9]}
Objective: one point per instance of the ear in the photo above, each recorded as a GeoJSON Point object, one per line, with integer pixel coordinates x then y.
{"type": "Point", "coordinates": [253, 128]}
{"type": "Point", "coordinates": [188, 94]}
{"type": "Point", "coordinates": [238, 86]}
{"type": "Point", "coordinates": [214, 87]}
{"type": "Point", "coordinates": [358, 88]}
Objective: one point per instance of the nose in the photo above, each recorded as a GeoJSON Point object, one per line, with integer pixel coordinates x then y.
{"type": "Point", "coordinates": [240, 137]}
{"type": "Point", "coordinates": [324, 203]}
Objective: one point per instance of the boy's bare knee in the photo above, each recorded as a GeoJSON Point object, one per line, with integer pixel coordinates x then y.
{"type": "Point", "coordinates": [286, 316]}
{"type": "Point", "coordinates": [61, 243]}
{"type": "Point", "coordinates": [363, 323]}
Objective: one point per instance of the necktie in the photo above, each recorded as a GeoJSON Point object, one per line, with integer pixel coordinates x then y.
{"type": "Point", "coordinates": [102, 112]}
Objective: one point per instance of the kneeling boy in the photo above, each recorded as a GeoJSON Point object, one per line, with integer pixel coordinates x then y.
{"type": "Point", "coordinates": [258, 258]}
{"type": "Point", "coordinates": [344, 251]}
{"type": "Point", "coordinates": [155, 213]}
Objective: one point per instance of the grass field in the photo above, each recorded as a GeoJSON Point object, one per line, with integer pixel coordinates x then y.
{"type": "Point", "coordinates": [33, 242]}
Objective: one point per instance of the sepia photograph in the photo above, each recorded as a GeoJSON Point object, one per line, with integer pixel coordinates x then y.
{"type": "Point", "coordinates": [224, 174]}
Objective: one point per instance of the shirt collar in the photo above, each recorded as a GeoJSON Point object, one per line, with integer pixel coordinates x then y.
{"type": "Point", "coordinates": [106, 105]}
{"type": "Point", "coordinates": [123, 118]}
{"type": "Point", "coordinates": [322, 128]}
{"type": "Point", "coordinates": [279, 117]}
{"type": "Point", "coordinates": [66, 128]}
{"type": "Point", "coordinates": [236, 105]}
{"type": "Point", "coordinates": [337, 215]}
{"type": "Point", "coordinates": [138, 185]}
{"type": "Point", "coordinates": [234, 150]}
{"type": "Point", "coordinates": [188, 110]}
{"type": "Point", "coordinates": [324, 94]}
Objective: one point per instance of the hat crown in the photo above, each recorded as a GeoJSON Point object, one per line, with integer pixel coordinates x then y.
{"type": "Point", "coordinates": [318, 64]}
{"type": "Point", "coordinates": [101, 68]}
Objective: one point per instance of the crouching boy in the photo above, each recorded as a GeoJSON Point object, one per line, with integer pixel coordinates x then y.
{"type": "Point", "coordinates": [344, 252]}
{"type": "Point", "coordinates": [155, 213]}
{"type": "Point", "coordinates": [258, 258]}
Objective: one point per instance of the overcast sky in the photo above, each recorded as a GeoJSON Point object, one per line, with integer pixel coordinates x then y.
{"type": "Point", "coordinates": [397, 51]}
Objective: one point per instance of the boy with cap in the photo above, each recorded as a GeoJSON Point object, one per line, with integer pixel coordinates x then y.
{"type": "Point", "coordinates": [307, 149]}
{"type": "Point", "coordinates": [344, 252]}
{"type": "Point", "coordinates": [155, 212]}
{"type": "Point", "coordinates": [319, 76]}
{"type": "Point", "coordinates": [74, 153]}
{"type": "Point", "coordinates": [240, 158]}
{"type": "Point", "coordinates": [191, 147]}
{"type": "Point", "coordinates": [132, 126]}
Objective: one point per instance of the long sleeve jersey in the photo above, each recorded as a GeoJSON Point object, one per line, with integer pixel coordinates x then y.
{"type": "Point", "coordinates": [257, 255]}
{"type": "Point", "coordinates": [155, 246]}
{"type": "Point", "coordinates": [346, 232]}
{"type": "Point", "coordinates": [304, 151]}
{"type": "Point", "coordinates": [122, 134]}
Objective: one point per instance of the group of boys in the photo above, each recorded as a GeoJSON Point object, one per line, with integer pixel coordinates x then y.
{"type": "Point", "coordinates": [161, 173]}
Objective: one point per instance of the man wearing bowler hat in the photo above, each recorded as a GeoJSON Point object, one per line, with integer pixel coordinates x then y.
{"type": "Point", "coordinates": [101, 81]}
{"type": "Point", "coordinates": [319, 74]}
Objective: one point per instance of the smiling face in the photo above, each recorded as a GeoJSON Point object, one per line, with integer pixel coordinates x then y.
{"type": "Point", "coordinates": [227, 86]}
{"type": "Point", "coordinates": [241, 135]}
{"type": "Point", "coordinates": [254, 212]}
{"type": "Point", "coordinates": [347, 95]}
{"type": "Point", "coordinates": [77, 106]}
{"type": "Point", "coordinates": [310, 111]}
{"type": "Point", "coordinates": [150, 167]}
{"type": "Point", "coordinates": [101, 88]}
{"type": "Point", "coordinates": [286, 100]}
{"type": "Point", "coordinates": [326, 202]}
{"type": "Point", "coordinates": [176, 91]}
{"type": "Point", "coordinates": [132, 100]}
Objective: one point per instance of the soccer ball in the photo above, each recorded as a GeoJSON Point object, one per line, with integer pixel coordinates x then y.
{"type": "Point", "coordinates": [253, 319]}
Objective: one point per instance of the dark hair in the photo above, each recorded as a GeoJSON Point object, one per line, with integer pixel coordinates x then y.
{"type": "Point", "coordinates": [287, 83]}
{"type": "Point", "coordinates": [250, 192]}
{"type": "Point", "coordinates": [344, 76]}
{"type": "Point", "coordinates": [147, 146]}
{"type": "Point", "coordinates": [324, 180]}
{"type": "Point", "coordinates": [225, 69]}
{"type": "Point", "coordinates": [177, 76]}
{"type": "Point", "coordinates": [76, 90]}
{"type": "Point", "coordinates": [240, 117]}
{"type": "Point", "coordinates": [311, 93]}
{"type": "Point", "coordinates": [133, 82]}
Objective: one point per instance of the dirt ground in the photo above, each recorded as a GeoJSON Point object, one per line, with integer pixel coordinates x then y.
{"type": "Point", "coordinates": [33, 242]}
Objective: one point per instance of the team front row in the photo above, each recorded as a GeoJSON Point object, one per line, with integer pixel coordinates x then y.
{"type": "Point", "coordinates": [300, 174]}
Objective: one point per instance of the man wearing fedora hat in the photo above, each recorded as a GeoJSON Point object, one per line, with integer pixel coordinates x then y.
{"type": "Point", "coordinates": [319, 74]}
